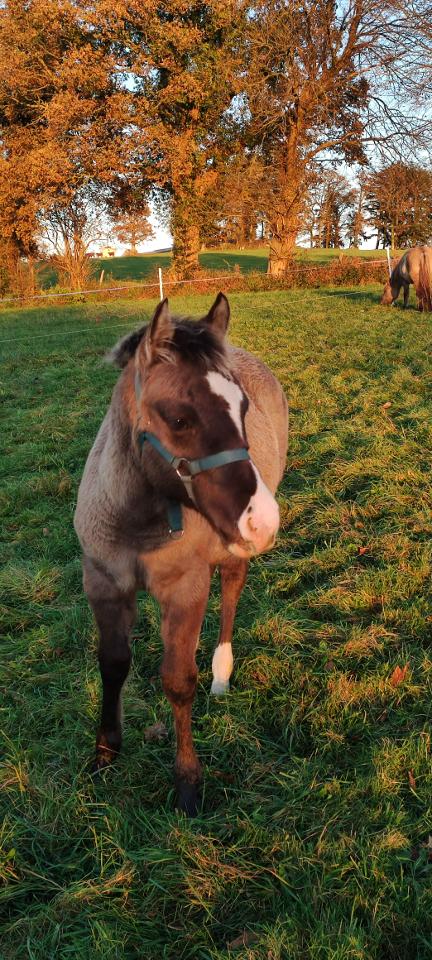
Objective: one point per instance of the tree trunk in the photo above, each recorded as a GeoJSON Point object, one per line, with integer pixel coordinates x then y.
{"type": "Point", "coordinates": [186, 236]}
{"type": "Point", "coordinates": [246, 227]}
{"type": "Point", "coordinates": [281, 254]}
{"type": "Point", "coordinates": [283, 235]}
{"type": "Point", "coordinates": [284, 218]}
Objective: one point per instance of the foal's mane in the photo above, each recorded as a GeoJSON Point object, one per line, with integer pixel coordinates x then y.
{"type": "Point", "coordinates": [192, 339]}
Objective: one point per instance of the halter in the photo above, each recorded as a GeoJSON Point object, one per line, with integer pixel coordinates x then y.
{"type": "Point", "coordinates": [194, 467]}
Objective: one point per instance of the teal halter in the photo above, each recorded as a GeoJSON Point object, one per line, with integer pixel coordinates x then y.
{"type": "Point", "coordinates": [200, 465]}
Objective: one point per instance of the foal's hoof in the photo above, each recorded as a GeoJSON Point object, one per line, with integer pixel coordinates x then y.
{"type": "Point", "coordinates": [187, 798]}
{"type": "Point", "coordinates": [105, 755]}
{"type": "Point", "coordinates": [99, 764]}
{"type": "Point", "coordinates": [219, 687]}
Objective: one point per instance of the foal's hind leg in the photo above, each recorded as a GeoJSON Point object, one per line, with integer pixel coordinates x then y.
{"type": "Point", "coordinates": [233, 578]}
{"type": "Point", "coordinates": [114, 614]}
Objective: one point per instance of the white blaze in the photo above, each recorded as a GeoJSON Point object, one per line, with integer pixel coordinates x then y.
{"type": "Point", "coordinates": [231, 392]}
{"type": "Point", "coordinates": [259, 522]}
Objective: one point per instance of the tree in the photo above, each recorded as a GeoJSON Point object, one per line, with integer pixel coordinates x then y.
{"type": "Point", "coordinates": [134, 228]}
{"type": "Point", "coordinates": [18, 225]}
{"type": "Point", "coordinates": [330, 201]}
{"type": "Point", "coordinates": [181, 60]}
{"type": "Point", "coordinates": [62, 117]}
{"type": "Point", "coordinates": [399, 201]}
{"type": "Point", "coordinates": [356, 227]}
{"type": "Point", "coordinates": [67, 232]}
{"type": "Point", "coordinates": [316, 89]}
{"type": "Point", "coordinates": [234, 208]}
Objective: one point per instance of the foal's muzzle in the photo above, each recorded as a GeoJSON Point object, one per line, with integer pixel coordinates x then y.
{"type": "Point", "coordinates": [258, 524]}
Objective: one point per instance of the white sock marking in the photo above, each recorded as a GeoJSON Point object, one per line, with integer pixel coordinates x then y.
{"type": "Point", "coordinates": [231, 392]}
{"type": "Point", "coordinates": [222, 667]}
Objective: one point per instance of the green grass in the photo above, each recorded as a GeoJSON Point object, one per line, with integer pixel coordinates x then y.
{"type": "Point", "coordinates": [144, 266]}
{"type": "Point", "coordinates": [317, 802]}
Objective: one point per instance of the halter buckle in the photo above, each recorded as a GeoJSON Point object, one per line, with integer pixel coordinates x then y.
{"type": "Point", "coordinates": [176, 534]}
{"type": "Point", "coordinates": [183, 476]}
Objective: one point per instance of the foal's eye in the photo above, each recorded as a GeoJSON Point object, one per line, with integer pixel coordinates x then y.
{"type": "Point", "coordinates": [180, 423]}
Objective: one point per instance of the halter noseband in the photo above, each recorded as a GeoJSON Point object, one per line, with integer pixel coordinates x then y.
{"type": "Point", "coordinates": [200, 465]}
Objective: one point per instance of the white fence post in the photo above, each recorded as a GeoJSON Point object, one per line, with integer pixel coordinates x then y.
{"type": "Point", "coordinates": [388, 260]}
{"type": "Point", "coordinates": [160, 283]}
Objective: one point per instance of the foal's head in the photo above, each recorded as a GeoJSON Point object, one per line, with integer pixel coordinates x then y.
{"type": "Point", "coordinates": [191, 401]}
{"type": "Point", "coordinates": [389, 294]}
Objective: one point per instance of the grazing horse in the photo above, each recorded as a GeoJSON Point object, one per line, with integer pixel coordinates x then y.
{"type": "Point", "coordinates": [415, 266]}
{"type": "Point", "coordinates": [179, 481]}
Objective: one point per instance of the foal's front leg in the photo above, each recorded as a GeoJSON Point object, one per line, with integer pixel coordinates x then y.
{"type": "Point", "coordinates": [182, 615]}
{"type": "Point", "coordinates": [114, 614]}
{"type": "Point", "coordinates": [233, 575]}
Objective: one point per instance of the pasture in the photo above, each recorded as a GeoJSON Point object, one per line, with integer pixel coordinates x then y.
{"type": "Point", "coordinates": [144, 266]}
{"type": "Point", "coordinates": [313, 841]}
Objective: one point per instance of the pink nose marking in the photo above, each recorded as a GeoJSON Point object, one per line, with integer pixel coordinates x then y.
{"type": "Point", "coordinates": [259, 522]}
{"type": "Point", "coordinates": [262, 539]}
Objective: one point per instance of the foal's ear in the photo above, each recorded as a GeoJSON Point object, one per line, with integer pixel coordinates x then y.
{"type": "Point", "coordinates": [159, 333]}
{"type": "Point", "coordinates": [218, 316]}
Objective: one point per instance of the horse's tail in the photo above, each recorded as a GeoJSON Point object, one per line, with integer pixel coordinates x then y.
{"type": "Point", "coordinates": [425, 280]}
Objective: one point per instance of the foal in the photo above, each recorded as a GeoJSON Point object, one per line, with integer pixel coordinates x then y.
{"type": "Point", "coordinates": [170, 491]}
{"type": "Point", "coordinates": [414, 266]}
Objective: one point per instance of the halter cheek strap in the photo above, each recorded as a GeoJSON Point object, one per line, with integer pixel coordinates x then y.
{"type": "Point", "coordinates": [199, 465]}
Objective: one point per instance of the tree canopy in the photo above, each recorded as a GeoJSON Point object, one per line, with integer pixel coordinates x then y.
{"type": "Point", "coordinates": [223, 111]}
{"type": "Point", "coordinates": [399, 202]}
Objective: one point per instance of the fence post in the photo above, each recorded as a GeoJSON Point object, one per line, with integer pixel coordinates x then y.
{"type": "Point", "coordinates": [160, 283]}
{"type": "Point", "coordinates": [388, 260]}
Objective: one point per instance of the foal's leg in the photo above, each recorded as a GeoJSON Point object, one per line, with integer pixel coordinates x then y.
{"type": "Point", "coordinates": [114, 614]}
{"type": "Point", "coordinates": [182, 615]}
{"type": "Point", "coordinates": [233, 577]}
{"type": "Point", "coordinates": [406, 295]}
{"type": "Point", "coordinates": [420, 300]}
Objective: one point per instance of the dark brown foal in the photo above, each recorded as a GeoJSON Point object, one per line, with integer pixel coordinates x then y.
{"type": "Point", "coordinates": [180, 481]}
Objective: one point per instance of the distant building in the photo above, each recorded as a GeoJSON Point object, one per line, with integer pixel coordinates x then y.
{"type": "Point", "coordinates": [108, 252]}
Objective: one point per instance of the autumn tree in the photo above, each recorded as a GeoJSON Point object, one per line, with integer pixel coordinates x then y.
{"type": "Point", "coordinates": [67, 232]}
{"type": "Point", "coordinates": [399, 202]}
{"type": "Point", "coordinates": [134, 228]}
{"type": "Point", "coordinates": [181, 61]}
{"type": "Point", "coordinates": [234, 206]}
{"type": "Point", "coordinates": [62, 118]}
{"type": "Point", "coordinates": [318, 74]}
{"type": "Point", "coordinates": [329, 204]}
{"type": "Point", "coordinates": [357, 220]}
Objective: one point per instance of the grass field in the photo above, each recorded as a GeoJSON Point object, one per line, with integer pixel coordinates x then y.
{"type": "Point", "coordinates": [314, 838]}
{"type": "Point", "coordinates": [144, 267]}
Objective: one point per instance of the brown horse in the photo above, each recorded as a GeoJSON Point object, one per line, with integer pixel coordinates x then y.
{"type": "Point", "coordinates": [169, 493]}
{"type": "Point", "coordinates": [415, 266]}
